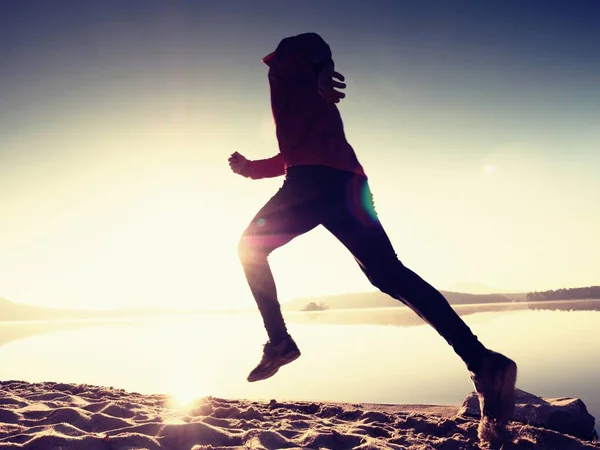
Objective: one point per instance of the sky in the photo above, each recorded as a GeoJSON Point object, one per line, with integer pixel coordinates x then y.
{"type": "Point", "coordinates": [477, 124]}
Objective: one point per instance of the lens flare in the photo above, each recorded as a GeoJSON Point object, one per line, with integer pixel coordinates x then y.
{"type": "Point", "coordinates": [367, 203]}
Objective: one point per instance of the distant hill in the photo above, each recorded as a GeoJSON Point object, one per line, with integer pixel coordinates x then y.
{"type": "Point", "coordinates": [12, 311]}
{"type": "Point", "coordinates": [475, 288]}
{"type": "Point", "coordinates": [15, 311]}
{"type": "Point", "coordinates": [588, 292]}
{"type": "Point", "coordinates": [380, 300]}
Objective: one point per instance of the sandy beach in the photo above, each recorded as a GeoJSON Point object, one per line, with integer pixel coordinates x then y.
{"type": "Point", "coordinates": [71, 417]}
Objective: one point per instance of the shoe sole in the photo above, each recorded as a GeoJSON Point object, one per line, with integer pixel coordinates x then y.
{"type": "Point", "coordinates": [293, 357]}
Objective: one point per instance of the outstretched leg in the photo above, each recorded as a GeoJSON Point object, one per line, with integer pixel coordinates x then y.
{"type": "Point", "coordinates": [356, 225]}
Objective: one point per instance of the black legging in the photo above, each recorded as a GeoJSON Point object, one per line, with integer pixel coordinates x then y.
{"type": "Point", "coordinates": [342, 202]}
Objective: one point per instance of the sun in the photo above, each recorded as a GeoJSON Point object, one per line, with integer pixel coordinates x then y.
{"type": "Point", "coordinates": [184, 392]}
{"type": "Point", "coordinates": [489, 169]}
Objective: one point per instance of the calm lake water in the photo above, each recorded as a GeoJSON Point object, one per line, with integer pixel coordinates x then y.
{"type": "Point", "coordinates": [188, 357]}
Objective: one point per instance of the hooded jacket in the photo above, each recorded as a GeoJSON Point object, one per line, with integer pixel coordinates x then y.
{"type": "Point", "coordinates": [309, 129]}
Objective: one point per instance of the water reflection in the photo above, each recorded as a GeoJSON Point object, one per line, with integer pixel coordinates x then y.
{"type": "Point", "coordinates": [196, 356]}
{"type": "Point", "coordinates": [398, 316]}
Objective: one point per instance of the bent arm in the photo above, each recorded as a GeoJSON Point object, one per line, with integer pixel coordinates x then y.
{"type": "Point", "coordinates": [265, 168]}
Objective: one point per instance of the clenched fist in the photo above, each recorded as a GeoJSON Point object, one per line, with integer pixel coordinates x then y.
{"type": "Point", "coordinates": [238, 163]}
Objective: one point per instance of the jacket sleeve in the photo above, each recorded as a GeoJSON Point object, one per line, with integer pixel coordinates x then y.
{"type": "Point", "coordinates": [304, 50]}
{"type": "Point", "coordinates": [265, 168]}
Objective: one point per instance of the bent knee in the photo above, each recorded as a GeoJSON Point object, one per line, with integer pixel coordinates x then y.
{"type": "Point", "coordinates": [251, 248]}
{"type": "Point", "coordinates": [245, 248]}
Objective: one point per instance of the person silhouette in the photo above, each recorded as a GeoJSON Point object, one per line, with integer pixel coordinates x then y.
{"type": "Point", "coordinates": [325, 184]}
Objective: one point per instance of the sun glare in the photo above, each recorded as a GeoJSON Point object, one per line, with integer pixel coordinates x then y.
{"type": "Point", "coordinates": [184, 394]}
{"type": "Point", "coordinates": [489, 169]}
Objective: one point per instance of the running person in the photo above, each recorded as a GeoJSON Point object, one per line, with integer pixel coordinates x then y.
{"type": "Point", "coordinates": [326, 185]}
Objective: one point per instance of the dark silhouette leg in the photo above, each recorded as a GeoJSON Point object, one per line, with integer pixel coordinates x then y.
{"type": "Point", "coordinates": [294, 210]}
{"type": "Point", "coordinates": [356, 225]}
